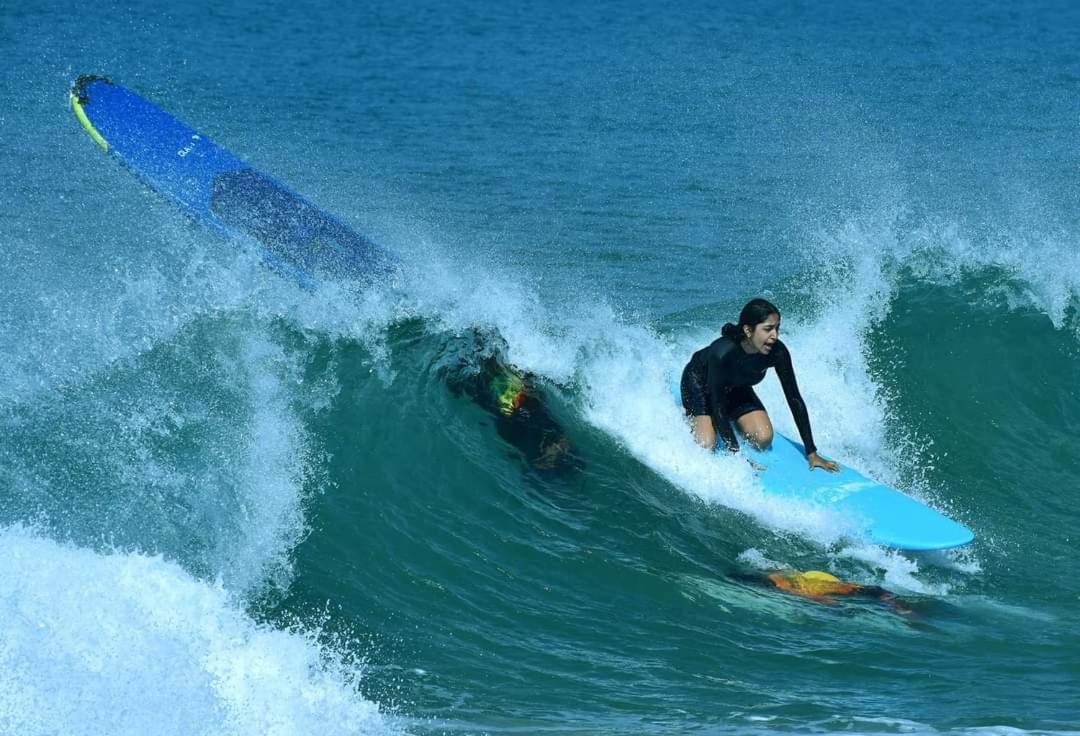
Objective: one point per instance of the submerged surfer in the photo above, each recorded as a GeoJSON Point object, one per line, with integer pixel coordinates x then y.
{"type": "Point", "coordinates": [717, 384]}
{"type": "Point", "coordinates": [525, 421]}
{"type": "Point", "coordinates": [822, 587]}
{"type": "Point", "coordinates": [521, 416]}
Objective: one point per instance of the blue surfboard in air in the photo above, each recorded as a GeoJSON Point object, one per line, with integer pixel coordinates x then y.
{"type": "Point", "coordinates": [222, 191]}
{"type": "Point", "coordinates": [883, 515]}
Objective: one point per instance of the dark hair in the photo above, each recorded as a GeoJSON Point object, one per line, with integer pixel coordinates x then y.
{"type": "Point", "coordinates": [753, 314]}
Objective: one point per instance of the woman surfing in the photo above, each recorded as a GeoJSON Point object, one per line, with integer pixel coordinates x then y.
{"type": "Point", "coordinates": [717, 385]}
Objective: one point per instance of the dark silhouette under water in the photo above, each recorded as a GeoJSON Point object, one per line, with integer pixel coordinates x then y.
{"type": "Point", "coordinates": [519, 411]}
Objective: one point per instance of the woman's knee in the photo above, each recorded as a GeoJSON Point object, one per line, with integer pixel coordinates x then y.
{"type": "Point", "coordinates": [757, 428]}
{"type": "Point", "coordinates": [761, 438]}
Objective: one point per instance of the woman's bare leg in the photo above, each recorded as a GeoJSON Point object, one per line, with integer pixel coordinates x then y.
{"type": "Point", "coordinates": [704, 432]}
{"type": "Point", "coordinates": [756, 427]}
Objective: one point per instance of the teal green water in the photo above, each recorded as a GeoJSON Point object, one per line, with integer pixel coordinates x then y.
{"type": "Point", "coordinates": [231, 506]}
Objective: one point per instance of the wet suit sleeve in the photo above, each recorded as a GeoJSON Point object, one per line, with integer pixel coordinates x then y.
{"type": "Point", "coordinates": [786, 373]}
{"type": "Point", "coordinates": [718, 384]}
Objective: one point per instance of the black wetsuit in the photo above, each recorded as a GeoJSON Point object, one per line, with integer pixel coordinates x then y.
{"type": "Point", "coordinates": [717, 383]}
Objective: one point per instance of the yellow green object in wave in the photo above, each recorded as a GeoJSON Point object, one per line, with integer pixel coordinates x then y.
{"type": "Point", "coordinates": [509, 390]}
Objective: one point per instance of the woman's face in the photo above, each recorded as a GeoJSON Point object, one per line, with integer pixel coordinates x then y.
{"type": "Point", "coordinates": [764, 335]}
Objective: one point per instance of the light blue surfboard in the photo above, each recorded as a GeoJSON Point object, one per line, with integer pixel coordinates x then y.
{"type": "Point", "coordinates": [220, 190]}
{"type": "Point", "coordinates": [882, 514]}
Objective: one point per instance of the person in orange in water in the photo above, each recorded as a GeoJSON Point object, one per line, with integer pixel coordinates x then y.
{"type": "Point", "coordinates": [825, 588]}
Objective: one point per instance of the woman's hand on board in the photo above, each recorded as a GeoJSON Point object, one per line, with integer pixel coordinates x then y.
{"type": "Point", "coordinates": [816, 461]}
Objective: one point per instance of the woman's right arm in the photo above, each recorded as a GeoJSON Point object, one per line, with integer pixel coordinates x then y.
{"type": "Point", "coordinates": [718, 382]}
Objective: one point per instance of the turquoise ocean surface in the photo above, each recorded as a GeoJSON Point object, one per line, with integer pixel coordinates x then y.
{"type": "Point", "coordinates": [230, 505]}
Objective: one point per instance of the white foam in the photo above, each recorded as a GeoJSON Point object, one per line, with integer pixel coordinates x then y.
{"type": "Point", "coordinates": [754, 558]}
{"type": "Point", "coordinates": [130, 644]}
{"type": "Point", "coordinates": [270, 474]}
{"type": "Point", "coordinates": [898, 570]}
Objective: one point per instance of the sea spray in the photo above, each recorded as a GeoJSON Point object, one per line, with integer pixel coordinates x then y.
{"type": "Point", "coordinates": [123, 643]}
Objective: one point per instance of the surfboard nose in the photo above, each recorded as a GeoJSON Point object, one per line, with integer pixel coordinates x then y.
{"type": "Point", "coordinates": [79, 98]}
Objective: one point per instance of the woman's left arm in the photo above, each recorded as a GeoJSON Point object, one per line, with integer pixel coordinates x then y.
{"type": "Point", "coordinates": [786, 373]}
